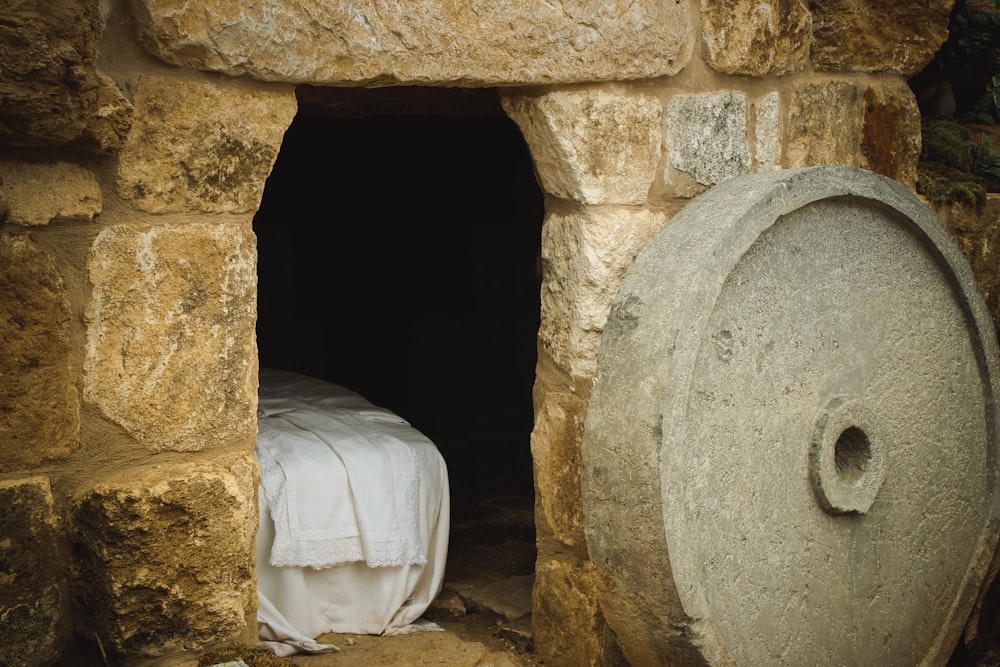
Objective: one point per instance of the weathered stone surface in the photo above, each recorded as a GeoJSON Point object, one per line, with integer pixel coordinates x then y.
{"type": "Point", "coordinates": [39, 404]}
{"type": "Point", "coordinates": [171, 354]}
{"type": "Point", "coordinates": [890, 132]}
{"type": "Point", "coordinates": [754, 37]}
{"type": "Point", "coordinates": [590, 145]}
{"type": "Point", "coordinates": [38, 194]}
{"type": "Point", "coordinates": [767, 132]}
{"type": "Point", "coordinates": [824, 124]}
{"type": "Point", "coordinates": [165, 555]}
{"type": "Point", "coordinates": [32, 595]}
{"type": "Point", "coordinates": [977, 233]}
{"type": "Point", "coordinates": [50, 91]}
{"type": "Point", "coordinates": [423, 41]}
{"type": "Point", "coordinates": [585, 253]}
{"type": "Point", "coordinates": [202, 146]}
{"type": "Point", "coordinates": [873, 36]}
{"type": "Point", "coordinates": [706, 135]}
{"type": "Point", "coordinates": [569, 627]}
{"type": "Point", "coordinates": [555, 454]}
{"type": "Point", "coordinates": [824, 318]}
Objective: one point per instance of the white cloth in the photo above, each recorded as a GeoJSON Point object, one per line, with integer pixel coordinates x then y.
{"type": "Point", "coordinates": [339, 489]}
{"type": "Point", "coordinates": [277, 633]}
{"type": "Point", "coordinates": [363, 489]}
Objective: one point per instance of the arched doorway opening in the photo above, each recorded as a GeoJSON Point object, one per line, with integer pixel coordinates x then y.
{"type": "Point", "coordinates": [398, 245]}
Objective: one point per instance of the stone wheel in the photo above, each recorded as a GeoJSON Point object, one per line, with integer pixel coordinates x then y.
{"type": "Point", "coordinates": [790, 454]}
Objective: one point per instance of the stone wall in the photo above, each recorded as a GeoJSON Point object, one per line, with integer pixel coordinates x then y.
{"type": "Point", "coordinates": [135, 139]}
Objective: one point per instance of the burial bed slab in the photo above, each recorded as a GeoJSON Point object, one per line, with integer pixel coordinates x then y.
{"type": "Point", "coordinates": [790, 451]}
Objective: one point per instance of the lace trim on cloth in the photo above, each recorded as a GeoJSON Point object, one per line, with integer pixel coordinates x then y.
{"type": "Point", "coordinates": [386, 468]}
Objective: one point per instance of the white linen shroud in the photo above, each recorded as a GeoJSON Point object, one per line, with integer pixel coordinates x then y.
{"type": "Point", "coordinates": [359, 486]}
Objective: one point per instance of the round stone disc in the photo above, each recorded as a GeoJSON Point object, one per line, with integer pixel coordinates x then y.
{"type": "Point", "coordinates": [790, 454]}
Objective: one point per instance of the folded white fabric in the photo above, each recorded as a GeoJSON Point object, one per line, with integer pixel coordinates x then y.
{"type": "Point", "coordinates": [339, 489]}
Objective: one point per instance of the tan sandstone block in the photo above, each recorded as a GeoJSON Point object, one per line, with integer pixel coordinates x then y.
{"type": "Point", "coordinates": [592, 146]}
{"type": "Point", "coordinates": [171, 352]}
{"type": "Point", "coordinates": [50, 90]}
{"type": "Point", "coordinates": [585, 253]}
{"type": "Point", "coordinates": [32, 587]}
{"type": "Point", "coordinates": [202, 146]}
{"type": "Point", "coordinates": [165, 557]}
{"type": "Point", "coordinates": [754, 37]}
{"type": "Point", "coordinates": [898, 36]}
{"type": "Point", "coordinates": [40, 193]}
{"type": "Point", "coordinates": [890, 136]}
{"type": "Point", "coordinates": [555, 453]}
{"type": "Point", "coordinates": [569, 626]}
{"type": "Point", "coordinates": [39, 404]}
{"type": "Point", "coordinates": [421, 41]}
{"type": "Point", "coordinates": [824, 124]}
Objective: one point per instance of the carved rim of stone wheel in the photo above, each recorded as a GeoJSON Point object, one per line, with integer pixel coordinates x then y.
{"type": "Point", "coordinates": [790, 449]}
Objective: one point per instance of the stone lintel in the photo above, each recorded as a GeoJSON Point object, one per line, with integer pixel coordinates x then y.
{"type": "Point", "coordinates": [421, 42]}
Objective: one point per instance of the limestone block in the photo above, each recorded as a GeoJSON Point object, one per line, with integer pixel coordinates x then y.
{"type": "Point", "coordinates": [389, 42]}
{"type": "Point", "coordinates": [50, 90]}
{"type": "Point", "coordinates": [202, 146]}
{"type": "Point", "coordinates": [754, 37]}
{"type": "Point", "coordinates": [767, 132]}
{"type": "Point", "coordinates": [706, 135]}
{"type": "Point", "coordinates": [38, 194]}
{"type": "Point", "coordinates": [899, 36]}
{"type": "Point", "coordinates": [32, 602]}
{"type": "Point", "coordinates": [165, 557]}
{"type": "Point", "coordinates": [555, 453]}
{"type": "Point", "coordinates": [39, 404]}
{"type": "Point", "coordinates": [824, 124]}
{"type": "Point", "coordinates": [585, 253]}
{"type": "Point", "coordinates": [890, 134]}
{"type": "Point", "coordinates": [171, 353]}
{"type": "Point", "coordinates": [592, 146]}
{"type": "Point", "coordinates": [569, 627]}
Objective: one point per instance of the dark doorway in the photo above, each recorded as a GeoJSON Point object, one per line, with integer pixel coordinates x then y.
{"type": "Point", "coordinates": [398, 241]}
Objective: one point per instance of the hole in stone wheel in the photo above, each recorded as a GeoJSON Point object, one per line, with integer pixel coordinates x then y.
{"type": "Point", "coordinates": [851, 455]}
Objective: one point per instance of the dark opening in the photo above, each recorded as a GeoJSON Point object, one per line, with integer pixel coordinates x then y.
{"type": "Point", "coordinates": [851, 455]}
{"type": "Point", "coordinates": [398, 241]}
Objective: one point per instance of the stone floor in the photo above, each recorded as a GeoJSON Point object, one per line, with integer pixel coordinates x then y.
{"type": "Point", "coordinates": [484, 608]}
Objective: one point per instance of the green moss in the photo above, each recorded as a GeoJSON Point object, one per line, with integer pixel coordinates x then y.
{"type": "Point", "coordinates": [954, 168]}
{"type": "Point", "coordinates": [948, 143]}
{"type": "Point", "coordinates": [944, 187]}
